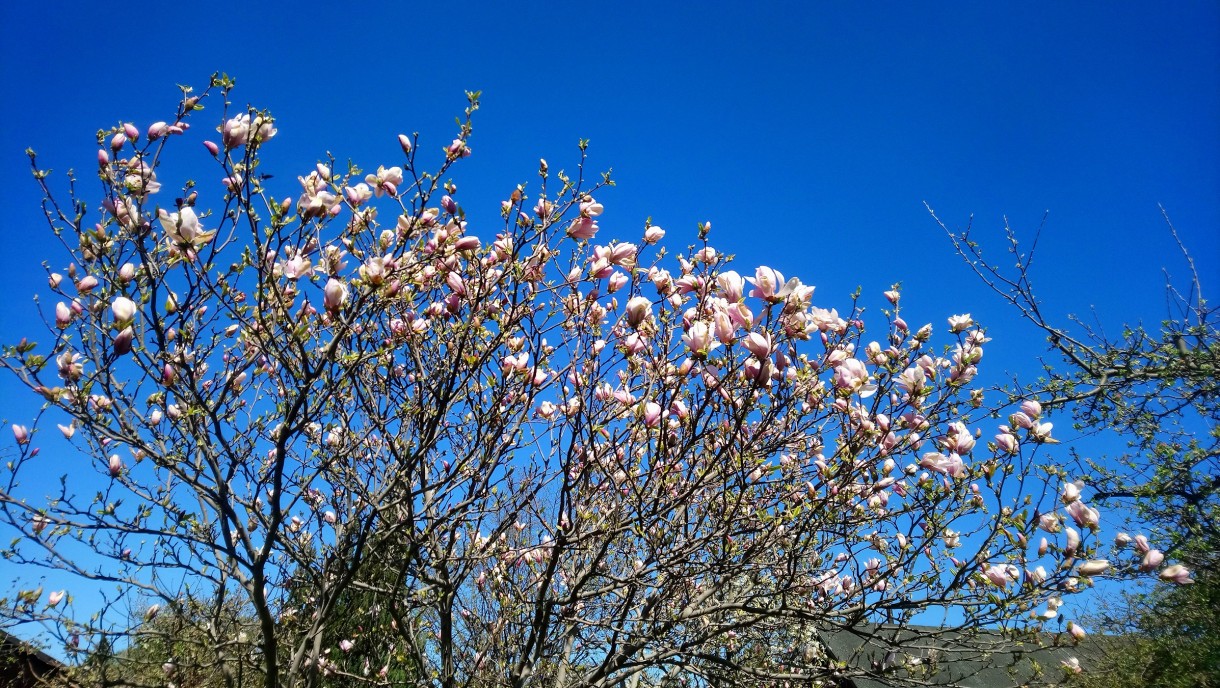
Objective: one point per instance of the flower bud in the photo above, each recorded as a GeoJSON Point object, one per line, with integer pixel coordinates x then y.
{"type": "Point", "coordinates": [122, 341]}
{"type": "Point", "coordinates": [124, 309]}
{"type": "Point", "coordinates": [63, 315]}
{"type": "Point", "coordinates": [405, 143]}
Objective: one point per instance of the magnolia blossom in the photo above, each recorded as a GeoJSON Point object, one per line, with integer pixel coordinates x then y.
{"type": "Point", "coordinates": [241, 130]}
{"type": "Point", "coordinates": [124, 309]}
{"type": "Point", "coordinates": [950, 465]}
{"type": "Point", "coordinates": [386, 180]}
{"type": "Point", "coordinates": [1093, 567]}
{"type": "Point", "coordinates": [1176, 574]}
{"type": "Point", "coordinates": [583, 228]}
{"type": "Point", "coordinates": [700, 339]}
{"type": "Point", "coordinates": [767, 283]}
{"type": "Point", "coordinates": [960, 323]}
{"type": "Point", "coordinates": [335, 295]}
{"type": "Point", "coordinates": [1083, 515]}
{"type": "Point", "coordinates": [1041, 433]}
{"type": "Point", "coordinates": [1151, 560]}
{"type": "Point", "coordinates": [639, 311]}
{"type": "Point", "coordinates": [1076, 631]}
{"type": "Point", "coordinates": [183, 226]}
{"type": "Point", "coordinates": [56, 597]}
{"type": "Point", "coordinates": [852, 377]}
{"type": "Point", "coordinates": [21, 433]}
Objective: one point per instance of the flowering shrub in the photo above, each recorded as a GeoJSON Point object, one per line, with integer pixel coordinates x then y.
{"type": "Point", "coordinates": [389, 447]}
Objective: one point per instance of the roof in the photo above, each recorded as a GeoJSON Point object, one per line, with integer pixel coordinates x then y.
{"type": "Point", "coordinates": [883, 656]}
{"type": "Point", "coordinates": [22, 664]}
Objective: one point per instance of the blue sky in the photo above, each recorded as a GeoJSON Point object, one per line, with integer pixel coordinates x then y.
{"type": "Point", "coordinates": [809, 134]}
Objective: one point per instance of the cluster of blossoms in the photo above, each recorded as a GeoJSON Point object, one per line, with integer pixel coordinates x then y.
{"type": "Point", "coordinates": [544, 434]}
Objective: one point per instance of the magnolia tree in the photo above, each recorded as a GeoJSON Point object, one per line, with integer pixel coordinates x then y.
{"type": "Point", "coordinates": [1157, 389]}
{"type": "Point", "coordinates": [344, 437]}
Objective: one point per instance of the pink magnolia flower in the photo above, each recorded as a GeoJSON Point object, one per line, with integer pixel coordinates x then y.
{"type": "Point", "coordinates": [1007, 443]}
{"type": "Point", "coordinates": [960, 323]}
{"type": "Point", "coordinates": [1072, 665]}
{"type": "Point", "coordinates": [912, 380]}
{"type": "Point", "coordinates": [651, 414]}
{"type": "Point", "coordinates": [759, 344]}
{"type": "Point", "coordinates": [115, 465]}
{"type": "Point", "coordinates": [240, 130]}
{"type": "Point", "coordinates": [346, 645]}
{"type": "Point", "coordinates": [122, 341]}
{"type": "Point", "coordinates": [1073, 540]}
{"type": "Point", "coordinates": [1077, 631]}
{"type": "Point", "coordinates": [294, 268]}
{"type": "Point", "coordinates": [21, 433]}
{"type": "Point", "coordinates": [386, 181]}
{"type": "Point", "coordinates": [458, 149]}
{"type": "Point", "coordinates": [1050, 522]}
{"type": "Point", "coordinates": [639, 311]}
{"type": "Point", "coordinates": [959, 440]}
{"type": "Point", "coordinates": [852, 376]}
{"type": "Point", "coordinates": [63, 315]}
{"type": "Point", "coordinates": [1031, 408]}
{"type": "Point", "coordinates": [767, 283]}
{"type": "Point", "coordinates": [653, 234]}
{"type": "Point", "coordinates": [1071, 493]}
{"type": "Point", "coordinates": [1152, 559]}
{"type": "Point", "coordinates": [583, 228]}
{"type": "Point", "coordinates": [1177, 574]}
{"type": "Point", "coordinates": [123, 308]}
{"type": "Point", "coordinates": [1001, 576]}
{"type": "Point", "coordinates": [335, 295]}
{"type": "Point", "coordinates": [950, 465]}
{"type": "Point", "coordinates": [699, 338]}
{"type": "Point", "coordinates": [1041, 433]}
{"type": "Point", "coordinates": [617, 281]}
{"type": "Point", "coordinates": [1093, 567]}
{"type": "Point", "coordinates": [623, 255]}
{"type": "Point", "coordinates": [677, 408]}
{"type": "Point", "coordinates": [183, 226]}
{"type": "Point", "coordinates": [1141, 544]}
{"type": "Point", "coordinates": [1083, 515]}
{"type": "Point", "coordinates": [726, 329]}
{"type": "Point", "coordinates": [56, 597]}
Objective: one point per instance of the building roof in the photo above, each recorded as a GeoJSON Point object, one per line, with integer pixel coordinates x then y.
{"type": "Point", "coordinates": [884, 656]}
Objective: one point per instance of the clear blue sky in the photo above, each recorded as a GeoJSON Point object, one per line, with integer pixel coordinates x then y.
{"type": "Point", "coordinates": [809, 134]}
